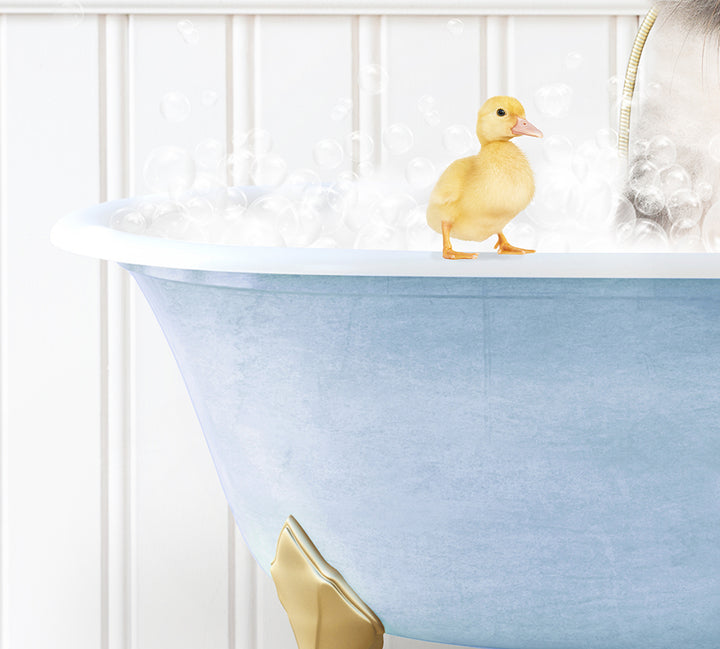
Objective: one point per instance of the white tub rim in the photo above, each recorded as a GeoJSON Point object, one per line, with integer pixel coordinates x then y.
{"type": "Point", "coordinates": [87, 232]}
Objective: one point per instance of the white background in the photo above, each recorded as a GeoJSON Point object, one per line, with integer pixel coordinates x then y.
{"type": "Point", "coordinates": [113, 528]}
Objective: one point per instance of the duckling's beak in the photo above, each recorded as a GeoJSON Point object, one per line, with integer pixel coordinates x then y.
{"type": "Point", "coordinates": [523, 127]}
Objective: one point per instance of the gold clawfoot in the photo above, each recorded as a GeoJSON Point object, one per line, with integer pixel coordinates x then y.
{"type": "Point", "coordinates": [324, 612]}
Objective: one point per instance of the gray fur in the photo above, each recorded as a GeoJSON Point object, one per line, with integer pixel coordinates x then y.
{"type": "Point", "coordinates": [703, 15]}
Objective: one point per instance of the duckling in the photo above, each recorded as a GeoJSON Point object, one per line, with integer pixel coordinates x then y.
{"type": "Point", "coordinates": [477, 196]}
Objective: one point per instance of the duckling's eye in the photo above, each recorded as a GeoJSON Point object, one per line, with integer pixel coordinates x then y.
{"type": "Point", "coordinates": [500, 112]}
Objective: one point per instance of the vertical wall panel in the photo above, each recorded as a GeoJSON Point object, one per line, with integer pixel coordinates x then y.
{"type": "Point", "coordinates": [574, 51]}
{"type": "Point", "coordinates": [190, 66]}
{"type": "Point", "coordinates": [4, 429]}
{"type": "Point", "coordinates": [51, 351]}
{"type": "Point", "coordinates": [180, 516]}
{"type": "Point", "coordinates": [304, 69]}
{"type": "Point", "coordinates": [432, 60]}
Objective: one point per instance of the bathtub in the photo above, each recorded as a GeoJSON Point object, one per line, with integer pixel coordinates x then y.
{"type": "Point", "coordinates": [510, 452]}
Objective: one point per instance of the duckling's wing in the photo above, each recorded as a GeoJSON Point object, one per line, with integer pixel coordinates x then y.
{"type": "Point", "coordinates": [445, 199]}
{"type": "Point", "coordinates": [449, 186]}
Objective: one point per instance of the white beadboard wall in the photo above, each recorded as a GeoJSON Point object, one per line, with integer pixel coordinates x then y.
{"type": "Point", "coordinates": [114, 533]}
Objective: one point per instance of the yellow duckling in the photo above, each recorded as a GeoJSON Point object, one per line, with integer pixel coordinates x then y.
{"type": "Point", "coordinates": [477, 196]}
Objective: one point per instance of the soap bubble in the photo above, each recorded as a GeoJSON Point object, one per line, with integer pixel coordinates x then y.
{"type": "Point", "coordinates": [270, 207]}
{"type": "Point", "coordinates": [652, 90]}
{"type": "Point", "coordinates": [521, 234]}
{"type": "Point", "coordinates": [640, 149]}
{"type": "Point", "coordinates": [303, 179]}
{"type": "Point", "coordinates": [573, 60]}
{"type": "Point", "coordinates": [175, 107]}
{"type": "Point", "coordinates": [613, 87]}
{"type": "Point", "coordinates": [625, 218]}
{"type": "Point", "coordinates": [70, 13]}
{"type": "Point", "coordinates": [596, 213]}
{"type": "Point", "coordinates": [268, 170]}
{"type": "Point", "coordinates": [686, 236]}
{"type": "Point", "coordinates": [207, 183]}
{"type": "Point", "coordinates": [235, 203]}
{"type": "Point", "coordinates": [171, 221]}
{"type": "Point", "coordinates": [580, 167]}
{"type": "Point", "coordinates": [704, 190]}
{"type": "Point", "coordinates": [393, 210]}
{"type": "Point", "coordinates": [457, 139]}
{"type": "Point", "coordinates": [606, 138]}
{"type": "Point", "coordinates": [210, 154]}
{"type": "Point", "coordinates": [418, 235]}
{"type": "Point", "coordinates": [420, 172]}
{"type": "Point", "coordinates": [199, 210]}
{"type": "Point", "coordinates": [673, 178]}
{"type": "Point", "coordinates": [343, 194]}
{"type": "Point", "coordinates": [650, 201]}
{"type": "Point", "coordinates": [714, 147]}
{"type": "Point", "coordinates": [298, 226]}
{"type": "Point", "coordinates": [684, 205]}
{"type": "Point", "coordinates": [553, 242]}
{"type": "Point", "coordinates": [148, 209]}
{"type": "Point", "coordinates": [711, 229]}
{"type": "Point", "coordinates": [325, 242]}
{"type": "Point", "coordinates": [259, 141]}
{"type": "Point", "coordinates": [379, 236]}
{"type": "Point", "coordinates": [554, 100]}
{"type": "Point", "coordinates": [556, 199]}
{"type": "Point", "coordinates": [643, 174]}
{"type": "Point", "coordinates": [250, 230]}
{"type": "Point", "coordinates": [239, 164]}
{"type": "Point", "coordinates": [557, 149]}
{"type": "Point", "coordinates": [661, 151]}
{"type": "Point", "coordinates": [169, 169]}
{"type": "Point", "coordinates": [398, 139]}
{"type": "Point", "coordinates": [128, 219]}
{"type": "Point", "coordinates": [328, 154]}
{"type": "Point", "coordinates": [208, 98]}
{"type": "Point", "coordinates": [648, 236]}
{"type": "Point", "coordinates": [455, 26]}
{"type": "Point", "coordinates": [373, 79]}
{"type": "Point", "coordinates": [189, 32]}
{"type": "Point", "coordinates": [432, 117]}
{"type": "Point", "coordinates": [341, 109]}
{"type": "Point", "coordinates": [426, 103]}
{"type": "Point", "coordinates": [365, 169]}
{"type": "Point", "coordinates": [359, 146]}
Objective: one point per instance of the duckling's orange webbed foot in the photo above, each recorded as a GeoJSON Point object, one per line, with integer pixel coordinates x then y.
{"type": "Point", "coordinates": [504, 248]}
{"type": "Point", "coordinates": [448, 252]}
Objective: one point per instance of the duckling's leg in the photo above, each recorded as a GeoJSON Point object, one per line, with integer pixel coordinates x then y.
{"type": "Point", "coordinates": [448, 252]}
{"type": "Point", "coordinates": [504, 248]}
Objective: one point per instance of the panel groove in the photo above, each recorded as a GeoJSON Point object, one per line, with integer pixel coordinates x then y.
{"type": "Point", "coordinates": [130, 340]}
{"type": "Point", "coordinates": [496, 48]}
{"type": "Point", "coordinates": [4, 460]}
{"type": "Point", "coordinates": [369, 51]}
{"type": "Point", "coordinates": [115, 414]}
{"type": "Point", "coordinates": [255, 80]}
{"type": "Point", "coordinates": [230, 98]}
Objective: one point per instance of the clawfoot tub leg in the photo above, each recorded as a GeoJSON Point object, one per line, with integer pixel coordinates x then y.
{"type": "Point", "coordinates": [324, 612]}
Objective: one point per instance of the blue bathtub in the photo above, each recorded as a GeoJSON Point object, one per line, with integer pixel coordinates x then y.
{"type": "Point", "coordinates": [511, 453]}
